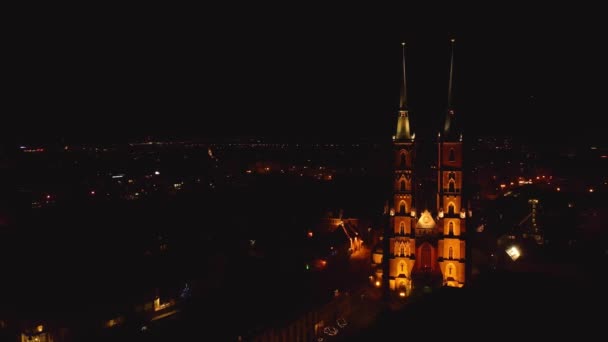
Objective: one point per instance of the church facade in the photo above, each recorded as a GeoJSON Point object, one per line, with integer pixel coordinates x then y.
{"type": "Point", "coordinates": [426, 246]}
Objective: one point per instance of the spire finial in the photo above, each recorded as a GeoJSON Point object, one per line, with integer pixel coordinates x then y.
{"type": "Point", "coordinates": [451, 75]}
{"type": "Point", "coordinates": [403, 121]}
{"type": "Point", "coordinates": [449, 129]}
{"type": "Point", "coordinates": [403, 98]}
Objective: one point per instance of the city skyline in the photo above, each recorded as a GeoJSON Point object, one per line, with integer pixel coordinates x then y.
{"type": "Point", "coordinates": [263, 173]}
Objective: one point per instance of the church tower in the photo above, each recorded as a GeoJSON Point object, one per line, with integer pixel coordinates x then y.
{"type": "Point", "coordinates": [451, 212]}
{"type": "Point", "coordinates": [401, 243]}
{"type": "Point", "coordinates": [424, 249]}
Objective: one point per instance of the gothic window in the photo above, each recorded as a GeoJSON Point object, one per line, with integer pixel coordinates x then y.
{"type": "Point", "coordinates": [402, 250]}
{"type": "Point", "coordinates": [402, 207]}
{"type": "Point", "coordinates": [452, 175]}
{"type": "Point", "coordinates": [451, 209]}
{"type": "Point", "coordinates": [402, 160]}
{"type": "Point", "coordinates": [451, 228]}
{"type": "Point", "coordinates": [451, 187]}
{"type": "Point", "coordinates": [402, 185]}
{"type": "Point", "coordinates": [452, 156]}
{"type": "Point", "coordinates": [451, 253]}
{"type": "Point", "coordinates": [402, 228]}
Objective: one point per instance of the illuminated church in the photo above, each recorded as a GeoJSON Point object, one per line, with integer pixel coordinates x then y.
{"type": "Point", "coordinates": [424, 247]}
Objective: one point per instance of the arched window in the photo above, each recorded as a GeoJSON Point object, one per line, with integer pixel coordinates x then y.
{"type": "Point", "coordinates": [402, 227]}
{"type": "Point", "coordinates": [451, 228]}
{"type": "Point", "coordinates": [452, 156]}
{"type": "Point", "coordinates": [451, 253]}
{"type": "Point", "coordinates": [451, 186]}
{"type": "Point", "coordinates": [402, 207]}
{"type": "Point", "coordinates": [451, 209]}
{"type": "Point", "coordinates": [402, 162]}
{"type": "Point", "coordinates": [402, 250]}
{"type": "Point", "coordinates": [402, 185]}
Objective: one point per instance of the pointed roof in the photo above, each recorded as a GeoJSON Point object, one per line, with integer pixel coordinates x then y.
{"type": "Point", "coordinates": [451, 130]}
{"type": "Point", "coordinates": [403, 121]}
{"type": "Point", "coordinates": [403, 94]}
{"type": "Point", "coordinates": [426, 220]}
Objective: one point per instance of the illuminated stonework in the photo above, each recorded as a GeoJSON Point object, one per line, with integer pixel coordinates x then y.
{"type": "Point", "coordinates": [429, 245]}
{"type": "Point", "coordinates": [451, 244]}
{"type": "Point", "coordinates": [38, 333]}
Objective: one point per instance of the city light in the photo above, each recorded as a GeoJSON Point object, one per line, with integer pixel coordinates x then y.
{"type": "Point", "coordinates": [513, 252]}
{"type": "Point", "coordinates": [205, 201]}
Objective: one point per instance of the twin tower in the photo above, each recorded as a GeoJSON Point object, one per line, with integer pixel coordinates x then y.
{"type": "Point", "coordinates": [424, 248]}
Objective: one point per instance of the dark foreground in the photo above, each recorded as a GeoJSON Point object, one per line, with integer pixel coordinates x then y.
{"type": "Point", "coordinates": [499, 306]}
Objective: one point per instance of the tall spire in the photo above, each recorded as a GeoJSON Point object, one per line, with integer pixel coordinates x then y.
{"type": "Point", "coordinates": [451, 75]}
{"type": "Point", "coordinates": [403, 97]}
{"type": "Point", "coordinates": [450, 131]}
{"type": "Point", "coordinates": [403, 122]}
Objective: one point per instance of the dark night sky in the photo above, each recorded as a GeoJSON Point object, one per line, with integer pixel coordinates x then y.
{"type": "Point", "coordinates": [297, 73]}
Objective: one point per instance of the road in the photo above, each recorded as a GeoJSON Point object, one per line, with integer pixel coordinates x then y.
{"type": "Point", "coordinates": [365, 301]}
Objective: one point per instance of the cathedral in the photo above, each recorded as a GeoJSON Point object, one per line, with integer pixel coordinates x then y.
{"type": "Point", "coordinates": [425, 247]}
